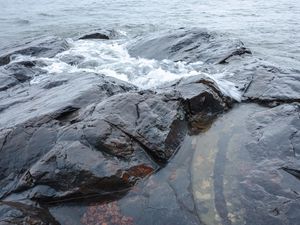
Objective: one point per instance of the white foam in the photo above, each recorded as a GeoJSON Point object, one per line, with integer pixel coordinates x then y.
{"type": "Point", "coordinates": [111, 58]}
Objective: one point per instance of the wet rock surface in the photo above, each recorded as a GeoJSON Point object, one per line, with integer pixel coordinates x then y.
{"type": "Point", "coordinates": [249, 164]}
{"type": "Point", "coordinates": [94, 36]}
{"type": "Point", "coordinates": [42, 47]}
{"type": "Point", "coordinates": [102, 34]}
{"type": "Point", "coordinates": [190, 45]}
{"type": "Point", "coordinates": [260, 81]}
{"type": "Point", "coordinates": [67, 137]}
{"type": "Point", "coordinates": [86, 142]}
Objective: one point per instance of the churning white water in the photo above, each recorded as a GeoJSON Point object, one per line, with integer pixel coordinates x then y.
{"type": "Point", "coordinates": [111, 58]}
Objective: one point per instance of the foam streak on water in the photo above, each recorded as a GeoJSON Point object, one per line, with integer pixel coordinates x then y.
{"type": "Point", "coordinates": [111, 58]}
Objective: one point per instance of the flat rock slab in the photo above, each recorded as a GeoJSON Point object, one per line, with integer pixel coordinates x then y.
{"type": "Point", "coordinates": [245, 167]}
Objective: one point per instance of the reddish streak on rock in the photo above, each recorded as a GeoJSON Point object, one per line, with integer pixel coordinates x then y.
{"type": "Point", "coordinates": [105, 214]}
{"type": "Point", "coordinates": [139, 171]}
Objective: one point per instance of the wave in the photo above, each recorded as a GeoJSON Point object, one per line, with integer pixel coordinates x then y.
{"type": "Point", "coordinates": [111, 58]}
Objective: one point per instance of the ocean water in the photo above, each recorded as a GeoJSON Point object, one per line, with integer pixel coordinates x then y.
{"type": "Point", "coordinates": [271, 29]}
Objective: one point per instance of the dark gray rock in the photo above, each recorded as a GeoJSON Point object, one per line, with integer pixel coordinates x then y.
{"type": "Point", "coordinates": [246, 160]}
{"type": "Point", "coordinates": [264, 82]}
{"type": "Point", "coordinates": [20, 213]}
{"type": "Point", "coordinates": [189, 45]}
{"type": "Point", "coordinates": [271, 182]}
{"type": "Point", "coordinates": [42, 47]}
{"type": "Point", "coordinates": [6, 82]}
{"type": "Point", "coordinates": [202, 98]}
{"type": "Point", "coordinates": [95, 36]}
{"type": "Point", "coordinates": [71, 136]}
{"type": "Point", "coordinates": [100, 34]}
{"type": "Point", "coordinates": [166, 197]}
{"type": "Point", "coordinates": [107, 150]}
{"type": "Point", "coordinates": [259, 80]}
{"type": "Point", "coordinates": [79, 136]}
{"type": "Point", "coordinates": [24, 70]}
{"type": "Point", "coordinates": [18, 72]}
{"type": "Point", "coordinates": [153, 121]}
{"type": "Point", "coordinates": [30, 123]}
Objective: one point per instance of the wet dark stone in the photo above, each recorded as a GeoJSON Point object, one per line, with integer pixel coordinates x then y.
{"type": "Point", "coordinates": [189, 45]}
{"type": "Point", "coordinates": [100, 34]}
{"type": "Point", "coordinates": [20, 213]}
{"type": "Point", "coordinates": [272, 183]}
{"type": "Point", "coordinates": [18, 72]}
{"type": "Point", "coordinates": [259, 80]}
{"type": "Point", "coordinates": [166, 197]}
{"type": "Point", "coordinates": [23, 71]}
{"type": "Point", "coordinates": [42, 47]}
{"type": "Point", "coordinates": [7, 81]}
{"type": "Point", "coordinates": [273, 131]}
{"type": "Point", "coordinates": [95, 36]}
{"type": "Point", "coordinates": [265, 83]}
{"type": "Point", "coordinates": [79, 136]}
{"type": "Point", "coordinates": [203, 100]}
{"type": "Point", "coordinates": [73, 136]}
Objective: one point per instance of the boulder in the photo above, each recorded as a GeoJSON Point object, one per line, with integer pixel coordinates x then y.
{"type": "Point", "coordinates": [94, 36]}
{"type": "Point", "coordinates": [101, 34]}
{"type": "Point", "coordinates": [203, 100]}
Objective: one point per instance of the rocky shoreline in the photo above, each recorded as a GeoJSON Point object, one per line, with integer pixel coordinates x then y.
{"type": "Point", "coordinates": [85, 136]}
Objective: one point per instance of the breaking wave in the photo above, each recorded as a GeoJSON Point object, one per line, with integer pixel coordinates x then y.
{"type": "Point", "coordinates": [111, 58]}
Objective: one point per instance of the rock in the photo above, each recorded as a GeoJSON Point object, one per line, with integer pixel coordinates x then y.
{"type": "Point", "coordinates": [102, 34]}
{"type": "Point", "coordinates": [189, 45]}
{"type": "Point", "coordinates": [6, 82]}
{"type": "Point", "coordinates": [274, 142]}
{"type": "Point", "coordinates": [166, 197]}
{"type": "Point", "coordinates": [263, 82]}
{"type": "Point", "coordinates": [247, 162]}
{"type": "Point", "coordinates": [40, 101]}
{"type": "Point", "coordinates": [72, 136]}
{"type": "Point", "coordinates": [271, 147]}
{"type": "Point", "coordinates": [32, 129]}
{"type": "Point", "coordinates": [259, 80]}
{"type": "Point", "coordinates": [20, 213]}
{"type": "Point", "coordinates": [23, 71]}
{"type": "Point", "coordinates": [154, 122]}
{"type": "Point", "coordinates": [42, 47]}
{"type": "Point", "coordinates": [72, 171]}
{"type": "Point", "coordinates": [148, 130]}
{"type": "Point", "coordinates": [18, 72]}
{"type": "Point", "coordinates": [95, 36]}
{"type": "Point", "coordinates": [272, 84]}
{"type": "Point", "coordinates": [202, 98]}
